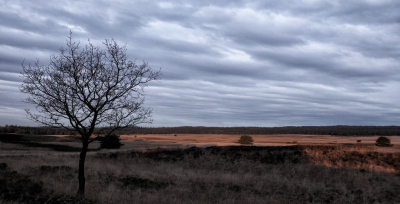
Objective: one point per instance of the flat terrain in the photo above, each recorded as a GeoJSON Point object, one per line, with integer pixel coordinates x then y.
{"type": "Point", "coordinates": [200, 168]}
{"type": "Point", "coordinates": [263, 140]}
{"type": "Point", "coordinates": [61, 143]}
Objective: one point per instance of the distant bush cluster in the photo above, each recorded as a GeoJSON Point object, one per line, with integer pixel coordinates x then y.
{"type": "Point", "coordinates": [246, 140]}
{"type": "Point", "coordinates": [383, 142]}
{"type": "Point", "coordinates": [112, 141]}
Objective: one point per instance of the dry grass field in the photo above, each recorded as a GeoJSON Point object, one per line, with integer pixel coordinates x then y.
{"type": "Point", "coordinates": [203, 140]}
{"type": "Point", "coordinates": [202, 169]}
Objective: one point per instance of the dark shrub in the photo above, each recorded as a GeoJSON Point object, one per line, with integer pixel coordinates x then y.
{"type": "Point", "coordinates": [110, 142]}
{"type": "Point", "coordinates": [358, 140]}
{"type": "Point", "coordinates": [245, 139]}
{"type": "Point", "coordinates": [11, 138]}
{"type": "Point", "coordinates": [383, 142]}
{"type": "Point", "coordinates": [16, 187]}
{"type": "Point", "coordinates": [3, 166]}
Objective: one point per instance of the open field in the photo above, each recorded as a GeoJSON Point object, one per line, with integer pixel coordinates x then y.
{"type": "Point", "coordinates": [318, 169]}
{"type": "Point", "coordinates": [202, 140]}
{"type": "Point", "coordinates": [150, 141]}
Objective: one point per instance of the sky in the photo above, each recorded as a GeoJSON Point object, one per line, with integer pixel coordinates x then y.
{"type": "Point", "coordinates": [225, 63]}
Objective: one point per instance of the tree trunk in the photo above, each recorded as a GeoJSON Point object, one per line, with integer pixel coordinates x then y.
{"type": "Point", "coordinates": [81, 176]}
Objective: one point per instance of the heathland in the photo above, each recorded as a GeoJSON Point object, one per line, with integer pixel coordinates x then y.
{"type": "Point", "coordinates": [202, 168]}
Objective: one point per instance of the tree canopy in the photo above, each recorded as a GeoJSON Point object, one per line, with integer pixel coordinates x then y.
{"type": "Point", "coordinates": [89, 87]}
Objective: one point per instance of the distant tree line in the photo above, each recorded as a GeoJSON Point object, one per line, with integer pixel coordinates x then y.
{"type": "Point", "coordinates": [310, 130]}
{"type": "Point", "coordinates": [339, 130]}
{"type": "Point", "coordinates": [35, 130]}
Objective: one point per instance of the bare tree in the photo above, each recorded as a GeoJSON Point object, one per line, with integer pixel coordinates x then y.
{"type": "Point", "coordinates": [84, 88]}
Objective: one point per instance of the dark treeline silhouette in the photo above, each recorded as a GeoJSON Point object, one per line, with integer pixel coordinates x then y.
{"type": "Point", "coordinates": [35, 130]}
{"type": "Point", "coordinates": [339, 130]}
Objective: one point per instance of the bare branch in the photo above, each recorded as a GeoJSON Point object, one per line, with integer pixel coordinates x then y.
{"type": "Point", "coordinates": [82, 88]}
{"type": "Point", "coordinates": [86, 88]}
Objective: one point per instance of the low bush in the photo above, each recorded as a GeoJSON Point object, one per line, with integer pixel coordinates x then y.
{"type": "Point", "coordinates": [383, 142]}
{"type": "Point", "coordinates": [110, 142]}
{"type": "Point", "coordinates": [358, 140]}
{"type": "Point", "coordinates": [246, 139]}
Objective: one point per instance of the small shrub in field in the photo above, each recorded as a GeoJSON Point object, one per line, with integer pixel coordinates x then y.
{"type": "Point", "coordinates": [383, 142]}
{"type": "Point", "coordinates": [294, 142]}
{"type": "Point", "coordinates": [110, 142]}
{"type": "Point", "coordinates": [358, 140]}
{"type": "Point", "coordinates": [245, 139]}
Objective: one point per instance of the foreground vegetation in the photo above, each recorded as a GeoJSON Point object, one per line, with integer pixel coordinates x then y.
{"type": "Point", "coordinates": [233, 174]}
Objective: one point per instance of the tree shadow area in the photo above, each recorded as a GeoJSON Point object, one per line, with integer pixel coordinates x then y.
{"type": "Point", "coordinates": [36, 142]}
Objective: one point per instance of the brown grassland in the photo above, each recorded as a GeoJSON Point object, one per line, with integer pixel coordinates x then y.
{"type": "Point", "coordinates": [202, 169]}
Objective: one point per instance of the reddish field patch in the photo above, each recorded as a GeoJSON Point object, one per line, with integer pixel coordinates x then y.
{"type": "Point", "coordinates": [259, 140]}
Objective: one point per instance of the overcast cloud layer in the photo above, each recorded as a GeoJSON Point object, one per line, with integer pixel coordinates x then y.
{"type": "Point", "coordinates": [225, 63]}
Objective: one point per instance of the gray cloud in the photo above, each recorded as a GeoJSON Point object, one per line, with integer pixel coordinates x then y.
{"type": "Point", "coordinates": [227, 63]}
